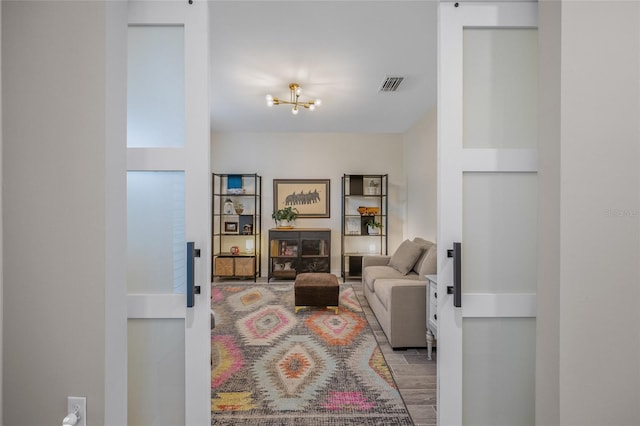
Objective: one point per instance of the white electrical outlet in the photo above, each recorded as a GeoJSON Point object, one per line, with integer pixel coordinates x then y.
{"type": "Point", "coordinates": [80, 403]}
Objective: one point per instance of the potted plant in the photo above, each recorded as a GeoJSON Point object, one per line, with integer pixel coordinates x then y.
{"type": "Point", "coordinates": [284, 217]}
{"type": "Point", "coordinates": [373, 227]}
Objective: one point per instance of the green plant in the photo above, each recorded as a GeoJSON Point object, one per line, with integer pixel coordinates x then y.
{"type": "Point", "coordinates": [373, 224]}
{"type": "Point", "coordinates": [287, 213]}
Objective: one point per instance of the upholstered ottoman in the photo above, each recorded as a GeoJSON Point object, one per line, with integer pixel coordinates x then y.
{"type": "Point", "coordinates": [316, 289]}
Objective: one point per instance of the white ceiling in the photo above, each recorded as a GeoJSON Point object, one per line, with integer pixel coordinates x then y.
{"type": "Point", "coordinates": [338, 51]}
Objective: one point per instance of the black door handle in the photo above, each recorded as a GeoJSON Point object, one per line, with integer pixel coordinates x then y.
{"type": "Point", "coordinates": [192, 289]}
{"type": "Point", "coordinates": [456, 289]}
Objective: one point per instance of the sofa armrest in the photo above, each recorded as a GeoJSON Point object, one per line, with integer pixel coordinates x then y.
{"type": "Point", "coordinates": [408, 310]}
{"type": "Point", "coordinates": [375, 261]}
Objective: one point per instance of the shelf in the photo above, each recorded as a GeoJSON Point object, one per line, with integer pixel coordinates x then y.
{"type": "Point", "coordinates": [361, 253]}
{"type": "Point", "coordinates": [236, 229]}
{"type": "Point", "coordinates": [283, 274]}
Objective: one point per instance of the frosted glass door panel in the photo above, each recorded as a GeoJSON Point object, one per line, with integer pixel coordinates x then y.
{"type": "Point", "coordinates": [498, 367]}
{"type": "Point", "coordinates": [500, 88]}
{"type": "Point", "coordinates": [156, 245]}
{"type": "Point", "coordinates": [156, 87]}
{"type": "Point", "coordinates": [500, 232]}
{"type": "Point", "coordinates": [156, 364]}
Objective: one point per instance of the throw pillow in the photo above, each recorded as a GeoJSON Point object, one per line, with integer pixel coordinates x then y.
{"type": "Point", "coordinates": [405, 257]}
{"type": "Point", "coordinates": [429, 264]}
{"type": "Point", "coordinates": [426, 245]}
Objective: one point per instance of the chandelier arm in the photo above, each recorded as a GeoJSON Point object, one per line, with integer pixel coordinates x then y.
{"type": "Point", "coordinates": [304, 104]}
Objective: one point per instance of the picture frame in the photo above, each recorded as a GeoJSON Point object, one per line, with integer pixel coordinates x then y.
{"type": "Point", "coordinates": [231, 227]}
{"type": "Point", "coordinates": [311, 197]}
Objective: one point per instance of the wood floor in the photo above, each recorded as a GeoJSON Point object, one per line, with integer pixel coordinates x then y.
{"type": "Point", "coordinates": [414, 374]}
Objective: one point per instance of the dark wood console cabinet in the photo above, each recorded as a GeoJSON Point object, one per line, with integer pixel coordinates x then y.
{"type": "Point", "coordinates": [297, 250]}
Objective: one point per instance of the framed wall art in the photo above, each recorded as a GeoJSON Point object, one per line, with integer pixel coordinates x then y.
{"type": "Point", "coordinates": [310, 196]}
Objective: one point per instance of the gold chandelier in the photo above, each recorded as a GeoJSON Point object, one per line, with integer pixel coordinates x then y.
{"type": "Point", "coordinates": [295, 90]}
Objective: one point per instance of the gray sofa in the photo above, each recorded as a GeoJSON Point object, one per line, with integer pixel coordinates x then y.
{"type": "Point", "coordinates": [396, 289]}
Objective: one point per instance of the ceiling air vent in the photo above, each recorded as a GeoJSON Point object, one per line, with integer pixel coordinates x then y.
{"type": "Point", "coordinates": [390, 84]}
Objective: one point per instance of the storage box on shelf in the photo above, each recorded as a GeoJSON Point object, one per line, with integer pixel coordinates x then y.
{"type": "Point", "coordinates": [236, 239]}
{"type": "Point", "coordinates": [235, 266]}
{"type": "Point", "coordinates": [364, 203]}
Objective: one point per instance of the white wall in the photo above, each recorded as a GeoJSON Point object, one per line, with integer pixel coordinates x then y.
{"type": "Point", "coordinates": [316, 155]}
{"type": "Point", "coordinates": [592, 295]}
{"type": "Point", "coordinates": [420, 162]}
{"type": "Point", "coordinates": [115, 386]}
{"type": "Point", "coordinates": [54, 203]}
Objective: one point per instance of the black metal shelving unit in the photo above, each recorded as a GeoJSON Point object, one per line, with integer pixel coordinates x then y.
{"type": "Point", "coordinates": [360, 192]}
{"type": "Point", "coordinates": [236, 225]}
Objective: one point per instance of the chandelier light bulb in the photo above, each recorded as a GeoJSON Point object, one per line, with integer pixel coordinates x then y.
{"type": "Point", "coordinates": [294, 110]}
{"type": "Point", "coordinates": [318, 102]}
{"type": "Point", "coordinates": [312, 107]}
{"type": "Point", "coordinates": [269, 99]}
{"type": "Point", "coordinates": [298, 91]}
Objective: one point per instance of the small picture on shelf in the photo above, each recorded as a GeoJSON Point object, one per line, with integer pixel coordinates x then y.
{"type": "Point", "coordinates": [245, 224]}
{"type": "Point", "coordinates": [353, 226]}
{"type": "Point", "coordinates": [231, 227]}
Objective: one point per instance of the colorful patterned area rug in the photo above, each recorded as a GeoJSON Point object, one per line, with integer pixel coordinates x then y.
{"type": "Point", "coordinates": [273, 367]}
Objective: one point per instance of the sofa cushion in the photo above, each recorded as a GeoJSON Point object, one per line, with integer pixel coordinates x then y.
{"type": "Point", "coordinates": [429, 264]}
{"type": "Point", "coordinates": [426, 245]}
{"type": "Point", "coordinates": [373, 273]}
{"type": "Point", "coordinates": [405, 257]}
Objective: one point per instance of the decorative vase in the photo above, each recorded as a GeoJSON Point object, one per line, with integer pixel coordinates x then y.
{"type": "Point", "coordinates": [372, 230]}
{"type": "Point", "coordinates": [228, 207]}
{"type": "Point", "coordinates": [373, 187]}
{"type": "Point", "coordinates": [283, 223]}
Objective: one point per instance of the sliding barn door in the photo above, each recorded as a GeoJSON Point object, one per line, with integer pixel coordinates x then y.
{"type": "Point", "coordinates": [168, 214]}
{"type": "Point", "coordinates": [487, 213]}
